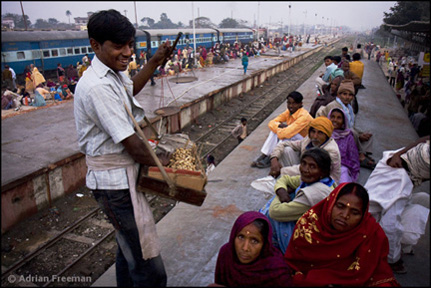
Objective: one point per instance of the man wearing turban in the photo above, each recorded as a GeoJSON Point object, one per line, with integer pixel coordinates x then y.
{"type": "Point", "coordinates": [285, 156]}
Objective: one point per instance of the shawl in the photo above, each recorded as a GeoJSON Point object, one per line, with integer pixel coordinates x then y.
{"type": "Point", "coordinates": [270, 269]}
{"type": "Point", "coordinates": [349, 152]}
{"type": "Point", "coordinates": [320, 255]}
{"type": "Point", "coordinates": [348, 112]}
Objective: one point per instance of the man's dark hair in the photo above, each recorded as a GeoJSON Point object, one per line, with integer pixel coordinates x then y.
{"type": "Point", "coordinates": [345, 49]}
{"type": "Point", "coordinates": [295, 95]}
{"type": "Point", "coordinates": [110, 25]}
{"type": "Point", "coordinates": [327, 57]}
{"type": "Point", "coordinates": [356, 57]}
{"type": "Point", "coordinates": [336, 59]}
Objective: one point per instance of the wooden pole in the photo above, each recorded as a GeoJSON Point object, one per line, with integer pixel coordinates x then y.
{"type": "Point", "coordinates": [171, 184]}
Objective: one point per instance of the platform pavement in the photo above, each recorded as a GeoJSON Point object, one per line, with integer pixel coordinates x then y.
{"type": "Point", "coordinates": [191, 236]}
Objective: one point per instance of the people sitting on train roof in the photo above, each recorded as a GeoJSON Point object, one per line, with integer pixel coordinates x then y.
{"type": "Point", "coordinates": [350, 165]}
{"type": "Point", "coordinates": [250, 259]}
{"type": "Point", "coordinates": [338, 243]}
{"type": "Point", "coordinates": [328, 94]}
{"type": "Point", "coordinates": [350, 75]}
{"type": "Point", "coordinates": [294, 195]}
{"type": "Point", "coordinates": [401, 213]}
{"type": "Point", "coordinates": [357, 67]}
{"type": "Point", "coordinates": [290, 125]}
{"type": "Point", "coordinates": [363, 140]}
{"type": "Point", "coordinates": [323, 79]}
{"type": "Point", "coordinates": [285, 159]}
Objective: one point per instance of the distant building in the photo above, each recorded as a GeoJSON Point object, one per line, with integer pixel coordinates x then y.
{"type": "Point", "coordinates": [7, 23]}
{"type": "Point", "coordinates": [81, 22]}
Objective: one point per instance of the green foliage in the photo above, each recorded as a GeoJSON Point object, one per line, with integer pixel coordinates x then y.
{"type": "Point", "coordinates": [228, 23]}
{"type": "Point", "coordinates": [164, 23]}
{"type": "Point", "coordinates": [406, 11]}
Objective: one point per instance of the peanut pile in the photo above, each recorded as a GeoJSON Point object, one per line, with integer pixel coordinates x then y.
{"type": "Point", "coordinates": [183, 158]}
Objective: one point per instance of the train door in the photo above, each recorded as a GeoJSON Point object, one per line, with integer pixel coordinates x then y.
{"type": "Point", "coordinates": [37, 55]}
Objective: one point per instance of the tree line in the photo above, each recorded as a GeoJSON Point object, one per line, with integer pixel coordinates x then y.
{"type": "Point", "coordinates": [145, 23]}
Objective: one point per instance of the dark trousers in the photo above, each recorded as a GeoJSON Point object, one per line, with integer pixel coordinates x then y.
{"type": "Point", "coordinates": [131, 269]}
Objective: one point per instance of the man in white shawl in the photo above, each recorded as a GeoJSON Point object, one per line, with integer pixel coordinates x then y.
{"type": "Point", "coordinates": [392, 201]}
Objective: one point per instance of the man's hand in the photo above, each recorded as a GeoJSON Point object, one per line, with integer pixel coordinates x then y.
{"type": "Point", "coordinates": [365, 137]}
{"type": "Point", "coordinates": [275, 168]}
{"type": "Point", "coordinates": [395, 161]}
{"type": "Point", "coordinates": [163, 52]}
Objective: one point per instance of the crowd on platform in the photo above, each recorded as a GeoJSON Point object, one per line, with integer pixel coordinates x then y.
{"type": "Point", "coordinates": [317, 205]}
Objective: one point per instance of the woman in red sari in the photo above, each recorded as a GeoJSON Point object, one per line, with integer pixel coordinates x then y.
{"type": "Point", "coordinates": [249, 259]}
{"type": "Point", "coordinates": [338, 242]}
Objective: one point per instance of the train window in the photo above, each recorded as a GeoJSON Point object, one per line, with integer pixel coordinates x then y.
{"type": "Point", "coordinates": [77, 51]}
{"type": "Point", "coordinates": [62, 51]}
{"type": "Point", "coordinates": [90, 50]}
{"type": "Point", "coordinates": [84, 50]}
{"type": "Point", "coordinates": [35, 54]}
{"type": "Point", "coordinates": [69, 51]}
{"type": "Point", "coordinates": [20, 55]}
{"type": "Point", "coordinates": [46, 53]}
{"type": "Point", "coordinates": [54, 53]}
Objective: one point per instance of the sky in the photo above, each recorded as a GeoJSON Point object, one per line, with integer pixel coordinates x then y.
{"type": "Point", "coordinates": [358, 15]}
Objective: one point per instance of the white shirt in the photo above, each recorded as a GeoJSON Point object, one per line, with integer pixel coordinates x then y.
{"type": "Point", "coordinates": [102, 121]}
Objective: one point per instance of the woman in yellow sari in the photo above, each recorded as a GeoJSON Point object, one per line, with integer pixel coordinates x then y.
{"type": "Point", "coordinates": [37, 77]}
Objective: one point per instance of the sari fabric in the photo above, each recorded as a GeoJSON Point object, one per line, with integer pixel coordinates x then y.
{"type": "Point", "coordinates": [348, 150]}
{"type": "Point", "coordinates": [322, 256]}
{"type": "Point", "coordinates": [269, 269]}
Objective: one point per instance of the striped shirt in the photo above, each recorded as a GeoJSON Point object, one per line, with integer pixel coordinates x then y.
{"type": "Point", "coordinates": [102, 121]}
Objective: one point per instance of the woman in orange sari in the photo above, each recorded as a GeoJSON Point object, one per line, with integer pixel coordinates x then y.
{"type": "Point", "coordinates": [338, 242]}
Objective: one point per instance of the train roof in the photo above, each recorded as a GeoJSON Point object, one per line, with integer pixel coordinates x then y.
{"type": "Point", "coordinates": [224, 30]}
{"type": "Point", "coordinates": [24, 36]}
{"type": "Point", "coordinates": [154, 32]}
{"type": "Point", "coordinates": [21, 36]}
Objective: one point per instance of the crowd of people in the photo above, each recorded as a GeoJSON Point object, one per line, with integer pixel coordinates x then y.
{"type": "Point", "coordinates": [37, 90]}
{"type": "Point", "coordinates": [317, 204]}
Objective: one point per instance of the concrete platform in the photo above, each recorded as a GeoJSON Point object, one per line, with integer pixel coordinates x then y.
{"type": "Point", "coordinates": [192, 236]}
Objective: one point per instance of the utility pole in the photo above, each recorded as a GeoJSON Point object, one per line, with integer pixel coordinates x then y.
{"type": "Point", "coordinates": [258, 8]}
{"type": "Point", "coordinates": [125, 13]}
{"type": "Point", "coordinates": [290, 20]}
{"type": "Point", "coordinates": [23, 16]}
{"type": "Point", "coordinates": [136, 16]}
{"type": "Point", "coordinates": [305, 12]}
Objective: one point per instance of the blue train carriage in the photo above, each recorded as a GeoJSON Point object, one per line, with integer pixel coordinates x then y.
{"type": "Point", "coordinates": [154, 37]}
{"type": "Point", "coordinates": [44, 49]}
{"type": "Point", "coordinates": [232, 35]}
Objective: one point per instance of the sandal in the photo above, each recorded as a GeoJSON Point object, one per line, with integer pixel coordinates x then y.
{"type": "Point", "coordinates": [398, 267]}
{"type": "Point", "coordinates": [368, 163]}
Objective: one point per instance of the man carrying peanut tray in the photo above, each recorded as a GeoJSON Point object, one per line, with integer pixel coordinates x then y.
{"type": "Point", "coordinates": [114, 151]}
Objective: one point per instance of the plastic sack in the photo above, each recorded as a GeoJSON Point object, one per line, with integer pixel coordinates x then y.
{"type": "Point", "coordinates": [265, 184]}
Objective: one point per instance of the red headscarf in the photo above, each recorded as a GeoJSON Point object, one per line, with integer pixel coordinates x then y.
{"type": "Point", "coordinates": [321, 255]}
{"type": "Point", "coordinates": [269, 270]}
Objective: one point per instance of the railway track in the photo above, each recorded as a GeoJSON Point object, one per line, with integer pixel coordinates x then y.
{"type": "Point", "coordinates": [88, 237]}
{"type": "Point", "coordinates": [218, 140]}
{"type": "Point", "coordinates": [91, 239]}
